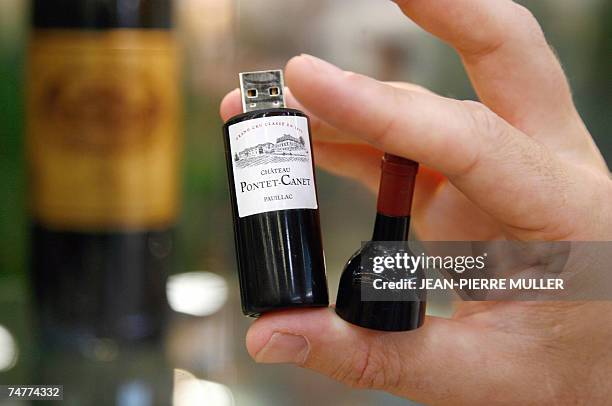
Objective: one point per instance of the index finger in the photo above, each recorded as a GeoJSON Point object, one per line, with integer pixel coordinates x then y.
{"type": "Point", "coordinates": [231, 105]}
{"type": "Point", "coordinates": [505, 53]}
{"type": "Point", "coordinates": [481, 154]}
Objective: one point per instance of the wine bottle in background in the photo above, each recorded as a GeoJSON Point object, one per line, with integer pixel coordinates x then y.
{"type": "Point", "coordinates": [103, 151]}
{"type": "Point", "coordinates": [392, 225]}
{"type": "Point", "coordinates": [133, 376]}
{"type": "Point", "coordinates": [270, 169]}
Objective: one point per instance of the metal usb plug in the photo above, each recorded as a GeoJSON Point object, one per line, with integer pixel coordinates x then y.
{"type": "Point", "coordinates": [262, 90]}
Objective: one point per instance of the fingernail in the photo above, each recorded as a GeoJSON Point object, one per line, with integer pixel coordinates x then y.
{"type": "Point", "coordinates": [284, 349]}
{"type": "Point", "coordinates": [320, 64]}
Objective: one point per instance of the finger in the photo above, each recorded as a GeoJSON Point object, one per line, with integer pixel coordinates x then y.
{"type": "Point", "coordinates": [480, 153]}
{"type": "Point", "coordinates": [512, 68]}
{"type": "Point", "coordinates": [359, 162]}
{"type": "Point", "coordinates": [231, 105]}
{"type": "Point", "coordinates": [410, 86]}
{"type": "Point", "coordinates": [439, 211]}
{"type": "Point", "coordinates": [326, 132]}
{"type": "Point", "coordinates": [502, 46]}
{"type": "Point", "coordinates": [427, 365]}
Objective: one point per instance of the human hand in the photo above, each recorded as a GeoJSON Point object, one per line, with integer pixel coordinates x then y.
{"type": "Point", "coordinates": [520, 165]}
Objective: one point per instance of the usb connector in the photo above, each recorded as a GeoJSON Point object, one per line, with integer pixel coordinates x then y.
{"type": "Point", "coordinates": [262, 90]}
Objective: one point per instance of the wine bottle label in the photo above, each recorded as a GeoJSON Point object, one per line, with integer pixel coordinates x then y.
{"type": "Point", "coordinates": [103, 128]}
{"type": "Point", "coordinates": [272, 164]}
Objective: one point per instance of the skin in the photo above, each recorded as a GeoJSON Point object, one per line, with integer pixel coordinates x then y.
{"type": "Point", "coordinates": [493, 169]}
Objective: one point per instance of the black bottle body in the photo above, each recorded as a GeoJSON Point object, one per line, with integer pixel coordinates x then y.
{"type": "Point", "coordinates": [102, 14]}
{"type": "Point", "coordinates": [103, 149]}
{"type": "Point", "coordinates": [103, 284]}
{"type": "Point", "coordinates": [278, 242]}
{"type": "Point", "coordinates": [404, 313]}
{"type": "Point", "coordinates": [134, 376]}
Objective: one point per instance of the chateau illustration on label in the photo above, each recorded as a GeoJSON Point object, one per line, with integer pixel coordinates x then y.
{"type": "Point", "coordinates": [286, 148]}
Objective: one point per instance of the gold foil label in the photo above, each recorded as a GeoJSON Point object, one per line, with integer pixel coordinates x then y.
{"type": "Point", "coordinates": [103, 129]}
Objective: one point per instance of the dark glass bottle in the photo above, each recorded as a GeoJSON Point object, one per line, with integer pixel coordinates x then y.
{"type": "Point", "coordinates": [103, 148]}
{"type": "Point", "coordinates": [277, 232]}
{"type": "Point", "coordinates": [392, 224]}
{"type": "Point", "coordinates": [102, 375]}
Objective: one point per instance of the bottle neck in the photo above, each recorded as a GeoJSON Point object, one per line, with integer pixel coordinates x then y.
{"type": "Point", "coordinates": [395, 192]}
{"type": "Point", "coordinates": [389, 228]}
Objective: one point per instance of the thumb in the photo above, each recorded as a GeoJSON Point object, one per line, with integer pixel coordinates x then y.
{"type": "Point", "coordinates": [422, 365]}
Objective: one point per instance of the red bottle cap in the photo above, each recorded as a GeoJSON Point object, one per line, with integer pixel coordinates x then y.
{"type": "Point", "coordinates": [397, 181]}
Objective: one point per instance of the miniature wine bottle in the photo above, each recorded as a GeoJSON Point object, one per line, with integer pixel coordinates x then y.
{"type": "Point", "coordinates": [279, 251]}
{"type": "Point", "coordinates": [394, 312]}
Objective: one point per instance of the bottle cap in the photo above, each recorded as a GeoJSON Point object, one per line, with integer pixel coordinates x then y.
{"type": "Point", "coordinates": [397, 181]}
{"type": "Point", "coordinates": [403, 313]}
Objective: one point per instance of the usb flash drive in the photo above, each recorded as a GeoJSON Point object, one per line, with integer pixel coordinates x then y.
{"type": "Point", "coordinates": [275, 210]}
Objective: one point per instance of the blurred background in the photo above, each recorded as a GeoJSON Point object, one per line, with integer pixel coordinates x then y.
{"type": "Point", "coordinates": [196, 354]}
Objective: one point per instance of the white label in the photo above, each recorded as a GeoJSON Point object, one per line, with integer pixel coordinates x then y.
{"type": "Point", "coordinates": [272, 165]}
